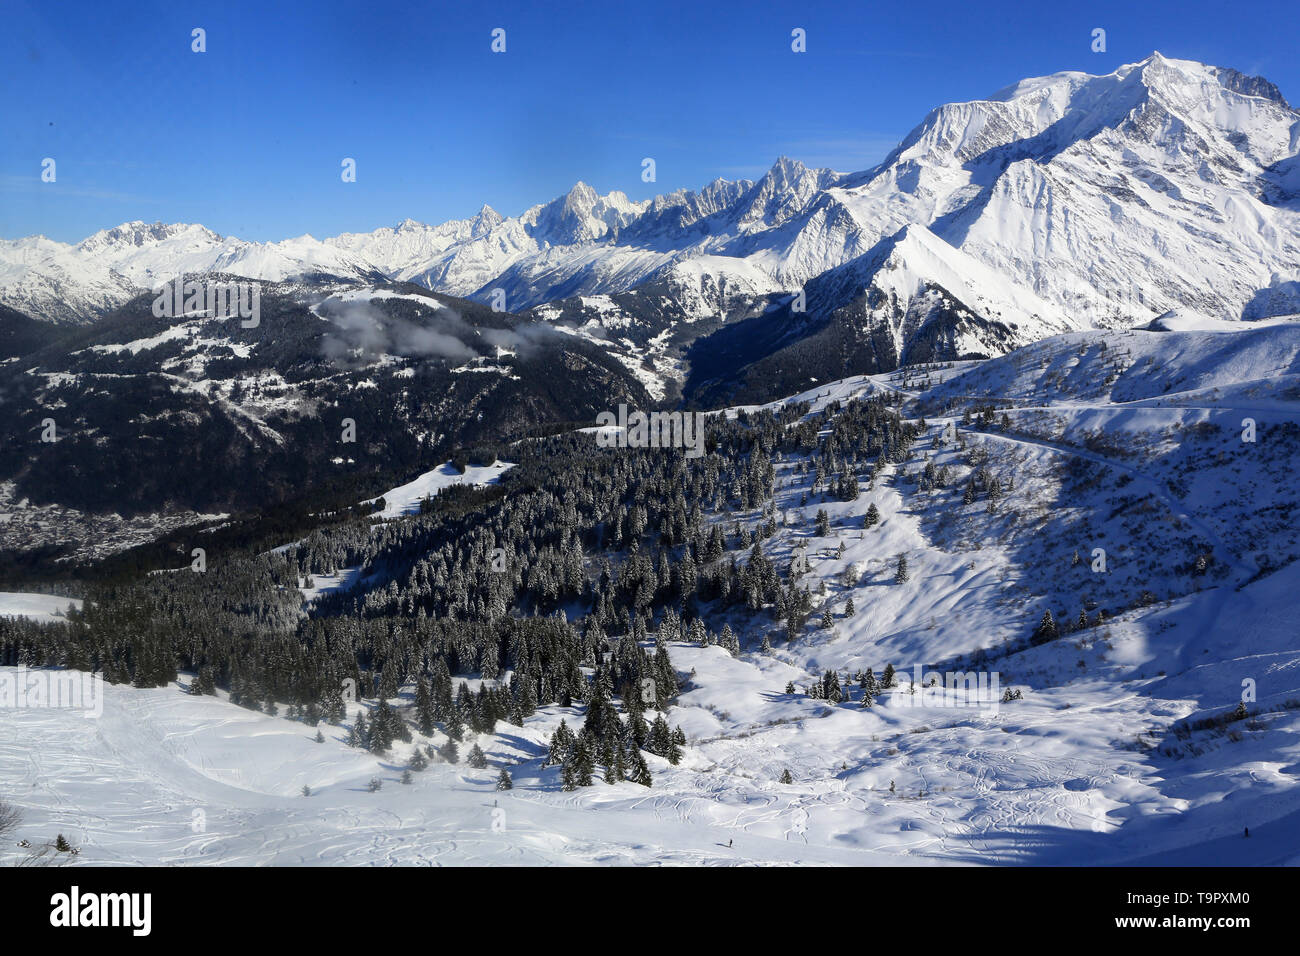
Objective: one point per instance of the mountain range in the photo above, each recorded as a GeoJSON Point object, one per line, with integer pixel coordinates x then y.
{"type": "Point", "coordinates": [1165, 192]}
{"type": "Point", "coordinates": [1060, 202]}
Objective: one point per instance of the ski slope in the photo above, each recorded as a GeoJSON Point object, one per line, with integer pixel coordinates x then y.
{"type": "Point", "coordinates": [405, 499]}
{"type": "Point", "coordinates": [37, 607]}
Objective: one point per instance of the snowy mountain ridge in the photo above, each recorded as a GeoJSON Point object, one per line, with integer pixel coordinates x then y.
{"type": "Point", "coordinates": [1064, 201]}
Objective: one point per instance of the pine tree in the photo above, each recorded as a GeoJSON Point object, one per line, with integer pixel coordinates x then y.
{"type": "Point", "coordinates": [561, 741]}
{"type": "Point", "coordinates": [424, 707]}
{"type": "Point", "coordinates": [583, 766]}
{"type": "Point", "coordinates": [1046, 630]}
{"type": "Point", "coordinates": [503, 780]}
{"type": "Point", "coordinates": [901, 575]}
{"type": "Point", "coordinates": [831, 689]}
{"type": "Point", "coordinates": [615, 766]}
{"type": "Point", "coordinates": [359, 735]}
{"type": "Point", "coordinates": [638, 772]}
{"type": "Point", "coordinates": [477, 759]}
{"type": "Point", "coordinates": [382, 728]}
{"type": "Point", "coordinates": [785, 776]}
{"type": "Point", "coordinates": [849, 609]}
{"type": "Point", "coordinates": [872, 517]}
{"type": "Point", "coordinates": [728, 641]}
{"type": "Point", "coordinates": [674, 755]}
{"type": "Point", "coordinates": [887, 679]}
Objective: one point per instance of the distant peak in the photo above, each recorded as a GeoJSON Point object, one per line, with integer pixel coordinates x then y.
{"type": "Point", "coordinates": [787, 167]}
{"type": "Point", "coordinates": [138, 233]}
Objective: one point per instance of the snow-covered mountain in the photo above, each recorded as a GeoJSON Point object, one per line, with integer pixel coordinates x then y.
{"type": "Point", "coordinates": [75, 283]}
{"type": "Point", "coordinates": [1065, 201]}
{"type": "Point", "coordinates": [54, 281]}
{"type": "Point", "coordinates": [150, 254]}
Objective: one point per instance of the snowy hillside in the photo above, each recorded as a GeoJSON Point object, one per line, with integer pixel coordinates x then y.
{"type": "Point", "coordinates": [1154, 720]}
{"type": "Point", "coordinates": [405, 499]}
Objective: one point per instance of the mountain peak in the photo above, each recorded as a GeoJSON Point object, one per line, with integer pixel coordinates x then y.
{"type": "Point", "coordinates": [785, 166]}
{"type": "Point", "coordinates": [138, 234]}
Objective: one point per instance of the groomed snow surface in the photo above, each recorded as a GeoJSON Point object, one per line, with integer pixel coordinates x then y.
{"type": "Point", "coordinates": [405, 499]}
{"type": "Point", "coordinates": [38, 607]}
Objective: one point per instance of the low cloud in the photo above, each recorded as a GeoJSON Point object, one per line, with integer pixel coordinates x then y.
{"type": "Point", "coordinates": [363, 331]}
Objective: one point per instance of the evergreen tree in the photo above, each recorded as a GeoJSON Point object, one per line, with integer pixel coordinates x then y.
{"type": "Point", "coordinates": [477, 759]}
{"type": "Point", "coordinates": [503, 780]}
{"type": "Point", "coordinates": [638, 772]}
{"type": "Point", "coordinates": [676, 741]}
{"type": "Point", "coordinates": [359, 735]}
{"type": "Point", "coordinates": [381, 728]}
{"type": "Point", "coordinates": [581, 763]}
{"type": "Point", "coordinates": [424, 707]}
{"type": "Point", "coordinates": [1046, 630]}
{"type": "Point", "coordinates": [561, 742]}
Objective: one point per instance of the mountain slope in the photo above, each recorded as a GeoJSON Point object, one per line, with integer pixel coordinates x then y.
{"type": "Point", "coordinates": [1123, 736]}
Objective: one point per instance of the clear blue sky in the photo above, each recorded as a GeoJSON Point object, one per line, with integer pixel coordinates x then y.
{"type": "Point", "coordinates": [247, 138]}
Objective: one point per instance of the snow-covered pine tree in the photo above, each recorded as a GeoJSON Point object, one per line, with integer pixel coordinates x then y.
{"type": "Point", "coordinates": [1046, 630]}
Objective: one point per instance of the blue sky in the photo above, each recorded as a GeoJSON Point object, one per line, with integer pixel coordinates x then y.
{"type": "Point", "coordinates": [248, 137]}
